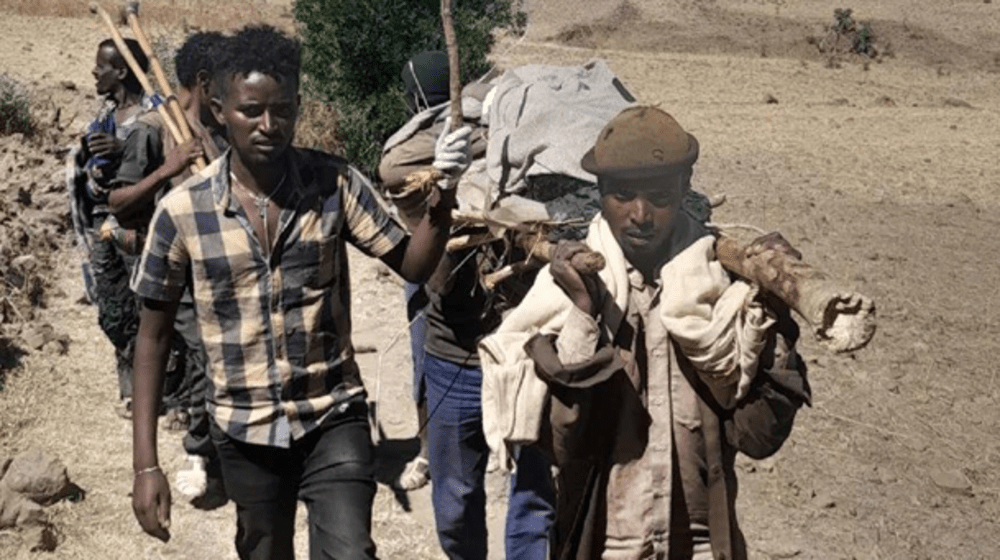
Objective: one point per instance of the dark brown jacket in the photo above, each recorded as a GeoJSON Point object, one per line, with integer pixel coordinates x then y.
{"type": "Point", "coordinates": [631, 484]}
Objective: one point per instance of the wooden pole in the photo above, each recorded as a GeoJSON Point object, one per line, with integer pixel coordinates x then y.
{"type": "Point", "coordinates": [137, 71]}
{"type": "Point", "coordinates": [454, 65]}
{"type": "Point", "coordinates": [454, 74]}
{"type": "Point", "coordinates": [132, 12]}
{"type": "Point", "coordinates": [842, 320]}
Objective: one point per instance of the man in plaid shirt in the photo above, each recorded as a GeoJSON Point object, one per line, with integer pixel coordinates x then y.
{"type": "Point", "coordinates": [262, 233]}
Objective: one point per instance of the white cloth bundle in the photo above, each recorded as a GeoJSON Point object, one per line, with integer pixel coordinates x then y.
{"type": "Point", "coordinates": [717, 323]}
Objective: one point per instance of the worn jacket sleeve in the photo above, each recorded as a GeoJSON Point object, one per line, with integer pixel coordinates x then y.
{"type": "Point", "coordinates": [763, 420]}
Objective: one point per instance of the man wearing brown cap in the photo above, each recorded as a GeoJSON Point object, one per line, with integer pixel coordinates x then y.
{"type": "Point", "coordinates": [659, 368]}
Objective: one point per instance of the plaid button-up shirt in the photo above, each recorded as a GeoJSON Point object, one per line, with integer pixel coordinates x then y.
{"type": "Point", "coordinates": [277, 332]}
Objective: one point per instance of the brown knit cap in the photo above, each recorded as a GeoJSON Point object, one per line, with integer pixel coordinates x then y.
{"type": "Point", "coordinates": [641, 141]}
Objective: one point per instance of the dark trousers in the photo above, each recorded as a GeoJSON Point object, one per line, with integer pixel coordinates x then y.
{"type": "Point", "coordinates": [330, 469]}
{"type": "Point", "coordinates": [117, 311]}
{"type": "Point", "coordinates": [118, 317]}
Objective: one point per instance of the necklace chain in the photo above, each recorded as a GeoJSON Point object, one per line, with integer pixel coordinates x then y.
{"type": "Point", "coordinates": [263, 202]}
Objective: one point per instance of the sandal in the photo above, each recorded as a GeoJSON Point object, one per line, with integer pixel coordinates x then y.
{"type": "Point", "coordinates": [124, 408]}
{"type": "Point", "coordinates": [192, 480]}
{"type": "Point", "coordinates": [176, 420]}
{"type": "Point", "coordinates": [415, 475]}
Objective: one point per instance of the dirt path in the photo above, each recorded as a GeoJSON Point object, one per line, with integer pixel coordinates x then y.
{"type": "Point", "coordinates": [72, 398]}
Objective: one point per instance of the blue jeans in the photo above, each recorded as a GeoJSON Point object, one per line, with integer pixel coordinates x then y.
{"type": "Point", "coordinates": [531, 508]}
{"type": "Point", "coordinates": [458, 455]}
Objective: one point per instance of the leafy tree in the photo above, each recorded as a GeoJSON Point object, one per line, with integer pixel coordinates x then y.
{"type": "Point", "coordinates": [354, 51]}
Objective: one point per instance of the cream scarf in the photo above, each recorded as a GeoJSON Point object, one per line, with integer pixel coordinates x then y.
{"type": "Point", "coordinates": [717, 324]}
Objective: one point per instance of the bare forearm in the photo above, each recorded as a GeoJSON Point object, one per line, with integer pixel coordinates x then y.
{"type": "Point", "coordinates": [147, 393]}
{"type": "Point", "coordinates": [127, 200]}
{"type": "Point", "coordinates": [152, 346]}
{"type": "Point", "coordinates": [428, 240]}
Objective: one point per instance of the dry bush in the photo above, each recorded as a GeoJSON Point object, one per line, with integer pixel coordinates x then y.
{"type": "Point", "coordinates": [317, 127]}
{"type": "Point", "coordinates": [15, 107]}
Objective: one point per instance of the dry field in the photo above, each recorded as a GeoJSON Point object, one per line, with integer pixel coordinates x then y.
{"type": "Point", "coordinates": [885, 175]}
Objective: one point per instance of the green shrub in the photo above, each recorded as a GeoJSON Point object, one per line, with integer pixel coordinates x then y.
{"type": "Point", "coordinates": [15, 107]}
{"type": "Point", "coordinates": [354, 50]}
{"type": "Point", "coordinates": [843, 22]}
{"type": "Point", "coordinates": [846, 36]}
{"type": "Point", "coordinates": [864, 42]}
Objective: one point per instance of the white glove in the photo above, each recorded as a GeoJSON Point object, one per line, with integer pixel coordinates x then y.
{"type": "Point", "coordinates": [451, 151]}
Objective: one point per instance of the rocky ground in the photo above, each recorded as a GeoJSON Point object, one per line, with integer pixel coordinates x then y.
{"type": "Point", "coordinates": [882, 173]}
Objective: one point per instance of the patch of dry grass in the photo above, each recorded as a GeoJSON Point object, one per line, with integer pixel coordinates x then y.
{"type": "Point", "coordinates": [317, 127]}
{"type": "Point", "coordinates": [397, 534]}
{"type": "Point", "coordinates": [183, 15]}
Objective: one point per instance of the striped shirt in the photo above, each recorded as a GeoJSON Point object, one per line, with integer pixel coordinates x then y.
{"type": "Point", "coordinates": [277, 333]}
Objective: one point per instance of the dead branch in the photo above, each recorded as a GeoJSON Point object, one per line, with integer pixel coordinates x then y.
{"type": "Point", "coordinates": [586, 262]}
{"type": "Point", "coordinates": [491, 280]}
{"type": "Point", "coordinates": [467, 241]}
{"type": "Point", "coordinates": [454, 73]}
{"type": "Point", "coordinates": [842, 320]}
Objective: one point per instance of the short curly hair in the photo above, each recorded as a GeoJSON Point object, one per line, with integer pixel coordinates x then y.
{"type": "Point", "coordinates": [198, 54]}
{"type": "Point", "coordinates": [258, 48]}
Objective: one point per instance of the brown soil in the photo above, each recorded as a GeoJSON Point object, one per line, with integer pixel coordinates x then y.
{"type": "Point", "coordinates": [884, 175]}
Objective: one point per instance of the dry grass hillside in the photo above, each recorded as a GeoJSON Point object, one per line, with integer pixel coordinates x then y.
{"type": "Point", "coordinates": [883, 172]}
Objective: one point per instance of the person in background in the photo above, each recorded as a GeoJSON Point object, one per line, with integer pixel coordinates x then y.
{"type": "Point", "coordinates": [448, 376]}
{"type": "Point", "coordinates": [195, 66]}
{"type": "Point", "coordinates": [425, 84]}
{"type": "Point", "coordinates": [150, 162]}
{"type": "Point", "coordinates": [264, 232]}
{"type": "Point", "coordinates": [91, 168]}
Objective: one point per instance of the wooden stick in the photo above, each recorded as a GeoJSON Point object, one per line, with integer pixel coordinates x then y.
{"type": "Point", "coordinates": [585, 262]}
{"type": "Point", "coordinates": [454, 65]}
{"type": "Point", "coordinates": [137, 71]}
{"type": "Point", "coordinates": [132, 14]}
{"type": "Point", "coordinates": [537, 247]}
{"type": "Point", "coordinates": [491, 280]}
{"type": "Point", "coordinates": [454, 75]}
{"type": "Point", "coordinates": [132, 11]}
{"type": "Point", "coordinates": [842, 320]}
{"type": "Point", "coordinates": [470, 240]}
{"type": "Point", "coordinates": [540, 252]}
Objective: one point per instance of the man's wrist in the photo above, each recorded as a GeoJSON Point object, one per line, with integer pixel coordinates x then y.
{"type": "Point", "coordinates": [446, 202]}
{"type": "Point", "coordinates": [148, 470]}
{"type": "Point", "coordinates": [585, 305]}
